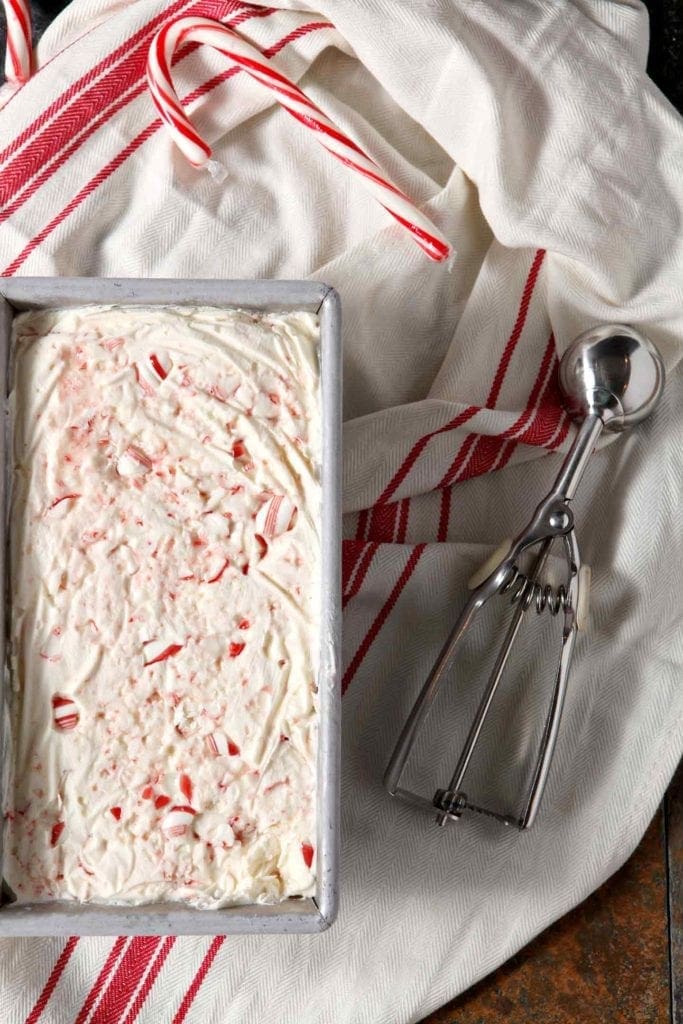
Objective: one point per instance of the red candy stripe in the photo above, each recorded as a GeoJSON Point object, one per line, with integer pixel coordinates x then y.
{"type": "Point", "coordinates": [18, 55]}
{"type": "Point", "coordinates": [163, 655]}
{"type": "Point", "coordinates": [220, 745]}
{"type": "Point", "coordinates": [185, 784]}
{"type": "Point", "coordinates": [65, 713]}
{"type": "Point", "coordinates": [64, 497]}
{"type": "Point", "coordinates": [276, 517]}
{"type": "Point", "coordinates": [307, 852]}
{"type": "Point", "coordinates": [56, 832]}
{"type": "Point", "coordinates": [161, 371]}
{"type": "Point", "coordinates": [178, 820]}
{"type": "Point", "coordinates": [295, 102]}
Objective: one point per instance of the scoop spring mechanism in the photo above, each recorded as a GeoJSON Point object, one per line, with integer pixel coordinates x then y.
{"type": "Point", "coordinates": [527, 592]}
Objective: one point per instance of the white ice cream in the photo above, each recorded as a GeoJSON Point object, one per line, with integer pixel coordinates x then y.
{"type": "Point", "coordinates": [165, 558]}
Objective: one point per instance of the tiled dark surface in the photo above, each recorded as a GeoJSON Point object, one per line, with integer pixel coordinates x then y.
{"type": "Point", "coordinates": [674, 829]}
{"type": "Point", "coordinates": [665, 63]}
{"type": "Point", "coordinates": [607, 962]}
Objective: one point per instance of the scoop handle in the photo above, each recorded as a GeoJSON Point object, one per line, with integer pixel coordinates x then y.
{"type": "Point", "coordinates": [574, 466]}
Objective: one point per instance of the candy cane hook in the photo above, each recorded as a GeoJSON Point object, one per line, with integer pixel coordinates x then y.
{"type": "Point", "coordinates": [18, 53]}
{"type": "Point", "coordinates": [295, 102]}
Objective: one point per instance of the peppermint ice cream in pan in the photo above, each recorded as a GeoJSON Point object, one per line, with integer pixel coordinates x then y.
{"type": "Point", "coordinates": [165, 568]}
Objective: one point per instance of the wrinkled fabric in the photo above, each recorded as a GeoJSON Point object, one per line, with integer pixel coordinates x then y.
{"type": "Point", "coordinates": [532, 136]}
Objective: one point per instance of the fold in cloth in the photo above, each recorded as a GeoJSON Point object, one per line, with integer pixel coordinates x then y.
{"type": "Point", "coordinates": [532, 136]}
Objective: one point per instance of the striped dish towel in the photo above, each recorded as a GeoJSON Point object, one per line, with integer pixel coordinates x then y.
{"type": "Point", "coordinates": [531, 135]}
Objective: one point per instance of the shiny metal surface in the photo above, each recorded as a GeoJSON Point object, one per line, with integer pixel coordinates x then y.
{"type": "Point", "coordinates": [613, 372]}
{"type": "Point", "coordinates": [611, 378]}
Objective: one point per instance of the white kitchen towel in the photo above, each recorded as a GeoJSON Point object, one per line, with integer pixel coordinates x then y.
{"type": "Point", "coordinates": [532, 136]}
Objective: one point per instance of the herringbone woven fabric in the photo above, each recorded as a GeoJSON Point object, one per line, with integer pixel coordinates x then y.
{"type": "Point", "coordinates": [532, 136]}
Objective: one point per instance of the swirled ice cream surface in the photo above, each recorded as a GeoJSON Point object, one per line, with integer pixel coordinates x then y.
{"type": "Point", "coordinates": [165, 574]}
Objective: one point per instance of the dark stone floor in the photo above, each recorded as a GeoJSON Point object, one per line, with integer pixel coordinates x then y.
{"type": "Point", "coordinates": [615, 959]}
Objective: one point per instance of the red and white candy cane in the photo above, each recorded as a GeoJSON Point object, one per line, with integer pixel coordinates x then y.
{"type": "Point", "coordinates": [18, 54]}
{"type": "Point", "coordinates": [251, 60]}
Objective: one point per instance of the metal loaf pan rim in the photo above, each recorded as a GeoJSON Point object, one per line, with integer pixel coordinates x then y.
{"type": "Point", "coordinates": [292, 916]}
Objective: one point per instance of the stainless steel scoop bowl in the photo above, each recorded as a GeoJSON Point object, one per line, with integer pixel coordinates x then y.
{"type": "Point", "coordinates": [612, 372]}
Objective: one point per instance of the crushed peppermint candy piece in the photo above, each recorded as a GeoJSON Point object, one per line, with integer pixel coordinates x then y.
{"type": "Point", "coordinates": [217, 743]}
{"type": "Point", "coordinates": [56, 832]}
{"type": "Point", "coordinates": [220, 745]}
{"type": "Point", "coordinates": [63, 502]}
{"type": "Point", "coordinates": [185, 785]}
{"type": "Point", "coordinates": [178, 820]}
{"type": "Point", "coordinates": [159, 650]}
{"type": "Point", "coordinates": [235, 649]}
{"type": "Point", "coordinates": [115, 813]}
{"type": "Point", "coordinates": [241, 831]}
{"type": "Point", "coordinates": [112, 343]}
{"type": "Point", "coordinates": [65, 713]}
{"type": "Point", "coordinates": [133, 462]}
{"type": "Point", "coordinates": [162, 364]}
{"type": "Point", "coordinates": [307, 852]}
{"type": "Point", "coordinates": [50, 649]}
{"type": "Point", "coordinates": [276, 516]}
{"type": "Point", "coordinates": [217, 576]}
{"type": "Point", "coordinates": [153, 370]}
